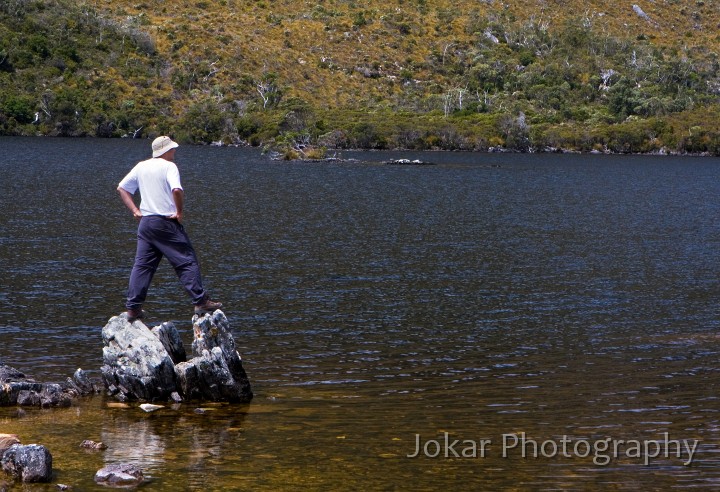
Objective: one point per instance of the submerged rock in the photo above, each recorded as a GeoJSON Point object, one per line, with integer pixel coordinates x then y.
{"type": "Point", "coordinates": [117, 404]}
{"type": "Point", "coordinates": [88, 444]}
{"type": "Point", "coordinates": [120, 475]}
{"type": "Point", "coordinates": [138, 361]}
{"type": "Point", "coordinates": [31, 463]}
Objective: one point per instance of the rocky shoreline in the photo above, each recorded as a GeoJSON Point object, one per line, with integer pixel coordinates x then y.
{"type": "Point", "coordinates": [140, 365]}
{"type": "Point", "coordinates": [16, 388]}
{"type": "Point", "coordinates": [663, 151]}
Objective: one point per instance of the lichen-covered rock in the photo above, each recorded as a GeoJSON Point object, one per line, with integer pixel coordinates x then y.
{"type": "Point", "coordinates": [8, 373]}
{"type": "Point", "coordinates": [137, 366]}
{"type": "Point", "coordinates": [31, 463]}
{"type": "Point", "coordinates": [44, 395]}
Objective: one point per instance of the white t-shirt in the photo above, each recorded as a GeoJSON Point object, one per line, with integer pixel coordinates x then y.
{"type": "Point", "coordinates": [155, 178]}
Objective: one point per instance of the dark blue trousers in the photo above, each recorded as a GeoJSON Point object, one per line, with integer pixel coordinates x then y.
{"type": "Point", "coordinates": [157, 237]}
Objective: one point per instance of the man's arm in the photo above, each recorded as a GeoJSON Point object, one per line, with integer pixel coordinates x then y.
{"type": "Point", "coordinates": [127, 199]}
{"type": "Point", "coordinates": [179, 198]}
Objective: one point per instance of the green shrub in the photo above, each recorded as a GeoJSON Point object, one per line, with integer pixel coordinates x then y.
{"type": "Point", "coordinates": [20, 108]}
{"type": "Point", "coordinates": [203, 122]}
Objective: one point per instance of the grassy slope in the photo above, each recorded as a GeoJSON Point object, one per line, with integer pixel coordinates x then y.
{"type": "Point", "coordinates": [317, 47]}
{"type": "Point", "coordinates": [344, 59]}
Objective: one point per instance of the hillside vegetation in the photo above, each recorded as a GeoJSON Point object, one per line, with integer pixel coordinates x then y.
{"type": "Point", "coordinates": [421, 74]}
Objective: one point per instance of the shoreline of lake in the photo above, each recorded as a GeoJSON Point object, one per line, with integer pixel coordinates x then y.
{"type": "Point", "coordinates": [493, 150]}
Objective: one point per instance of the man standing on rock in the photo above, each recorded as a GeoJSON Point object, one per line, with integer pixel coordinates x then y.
{"type": "Point", "coordinates": [160, 230]}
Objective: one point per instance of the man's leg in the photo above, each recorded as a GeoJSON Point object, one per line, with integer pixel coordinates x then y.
{"type": "Point", "coordinates": [147, 259]}
{"type": "Point", "coordinates": [175, 244]}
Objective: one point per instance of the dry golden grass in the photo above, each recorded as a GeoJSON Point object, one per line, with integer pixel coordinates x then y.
{"type": "Point", "coordinates": [323, 50]}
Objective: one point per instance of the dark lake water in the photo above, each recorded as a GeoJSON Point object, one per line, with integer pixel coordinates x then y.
{"type": "Point", "coordinates": [572, 301]}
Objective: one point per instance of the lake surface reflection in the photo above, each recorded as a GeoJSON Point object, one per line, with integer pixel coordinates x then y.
{"type": "Point", "coordinates": [564, 297]}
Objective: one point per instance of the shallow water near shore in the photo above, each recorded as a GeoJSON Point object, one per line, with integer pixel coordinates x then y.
{"type": "Point", "coordinates": [560, 298]}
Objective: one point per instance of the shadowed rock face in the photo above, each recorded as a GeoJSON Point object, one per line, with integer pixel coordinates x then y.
{"type": "Point", "coordinates": [170, 338]}
{"type": "Point", "coordinates": [149, 365]}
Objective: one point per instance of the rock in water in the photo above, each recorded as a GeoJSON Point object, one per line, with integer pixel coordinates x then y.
{"type": "Point", "coordinates": [52, 395]}
{"type": "Point", "coordinates": [149, 407]}
{"type": "Point", "coordinates": [88, 444]}
{"type": "Point", "coordinates": [12, 382]}
{"type": "Point", "coordinates": [213, 330]}
{"type": "Point", "coordinates": [120, 475]}
{"type": "Point", "coordinates": [18, 389]}
{"type": "Point", "coordinates": [82, 383]}
{"type": "Point", "coordinates": [7, 373]}
{"type": "Point", "coordinates": [209, 378]}
{"type": "Point", "coordinates": [138, 362]}
{"type": "Point", "coordinates": [216, 372]}
{"type": "Point", "coordinates": [31, 463]}
{"type": "Point", "coordinates": [137, 366]}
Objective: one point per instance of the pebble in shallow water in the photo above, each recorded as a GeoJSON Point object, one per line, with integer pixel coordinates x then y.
{"type": "Point", "coordinates": [149, 407]}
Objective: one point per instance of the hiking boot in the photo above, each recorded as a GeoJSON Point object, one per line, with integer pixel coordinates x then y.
{"type": "Point", "coordinates": [133, 314]}
{"type": "Point", "coordinates": [207, 306]}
